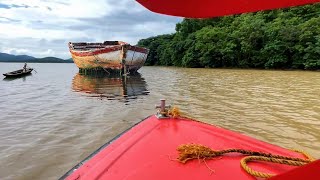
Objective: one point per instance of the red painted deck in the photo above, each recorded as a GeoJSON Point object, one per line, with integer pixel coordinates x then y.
{"type": "Point", "coordinates": [147, 150]}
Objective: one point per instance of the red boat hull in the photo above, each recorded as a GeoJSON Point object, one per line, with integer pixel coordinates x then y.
{"type": "Point", "coordinates": [216, 8]}
{"type": "Point", "coordinates": [148, 151]}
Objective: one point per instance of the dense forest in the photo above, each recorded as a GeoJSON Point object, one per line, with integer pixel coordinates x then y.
{"type": "Point", "coordinates": [277, 39]}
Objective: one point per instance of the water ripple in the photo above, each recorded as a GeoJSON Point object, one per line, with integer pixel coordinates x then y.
{"type": "Point", "coordinates": [53, 119]}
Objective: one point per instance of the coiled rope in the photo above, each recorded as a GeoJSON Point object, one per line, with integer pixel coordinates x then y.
{"type": "Point", "coordinates": [189, 152]}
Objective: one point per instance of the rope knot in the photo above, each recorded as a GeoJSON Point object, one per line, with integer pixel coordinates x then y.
{"type": "Point", "coordinates": [195, 151]}
{"type": "Point", "coordinates": [174, 112]}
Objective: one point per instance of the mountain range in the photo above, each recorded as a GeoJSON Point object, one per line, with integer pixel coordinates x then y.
{"type": "Point", "coordinates": [4, 57]}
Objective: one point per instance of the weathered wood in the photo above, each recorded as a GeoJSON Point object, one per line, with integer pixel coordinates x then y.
{"type": "Point", "coordinates": [112, 56]}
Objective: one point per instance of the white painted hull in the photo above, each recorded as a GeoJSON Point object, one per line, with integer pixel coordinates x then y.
{"type": "Point", "coordinates": [110, 57]}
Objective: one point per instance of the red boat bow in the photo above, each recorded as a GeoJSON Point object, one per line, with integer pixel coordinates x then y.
{"type": "Point", "coordinates": [215, 8]}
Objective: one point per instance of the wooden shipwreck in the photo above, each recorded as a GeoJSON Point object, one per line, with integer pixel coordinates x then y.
{"type": "Point", "coordinates": [109, 56]}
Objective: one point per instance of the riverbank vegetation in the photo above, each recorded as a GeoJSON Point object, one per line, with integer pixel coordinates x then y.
{"type": "Point", "coordinates": [278, 39]}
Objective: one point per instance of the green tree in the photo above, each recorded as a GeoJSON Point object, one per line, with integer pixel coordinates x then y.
{"type": "Point", "coordinates": [284, 38]}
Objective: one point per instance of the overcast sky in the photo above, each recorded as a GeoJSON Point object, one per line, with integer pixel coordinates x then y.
{"type": "Point", "coordinates": [43, 28]}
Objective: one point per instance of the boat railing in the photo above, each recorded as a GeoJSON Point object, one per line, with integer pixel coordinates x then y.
{"type": "Point", "coordinates": [88, 47]}
{"type": "Point", "coordinates": [112, 43]}
{"type": "Point", "coordinates": [84, 45]}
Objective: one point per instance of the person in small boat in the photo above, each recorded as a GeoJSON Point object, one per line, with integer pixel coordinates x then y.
{"type": "Point", "coordinates": [25, 67]}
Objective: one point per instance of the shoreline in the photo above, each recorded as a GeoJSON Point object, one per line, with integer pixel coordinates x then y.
{"type": "Point", "coordinates": [235, 68]}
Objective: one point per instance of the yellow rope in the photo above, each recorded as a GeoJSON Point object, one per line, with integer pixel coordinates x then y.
{"type": "Point", "coordinates": [174, 112]}
{"type": "Point", "coordinates": [252, 172]}
{"type": "Point", "coordinates": [195, 151]}
{"type": "Point", "coordinates": [307, 155]}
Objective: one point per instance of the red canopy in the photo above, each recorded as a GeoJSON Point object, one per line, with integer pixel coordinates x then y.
{"type": "Point", "coordinates": [215, 8]}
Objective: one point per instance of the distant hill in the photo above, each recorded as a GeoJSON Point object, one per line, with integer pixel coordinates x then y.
{"type": "Point", "coordinates": [50, 60]}
{"type": "Point", "coordinates": [4, 57]}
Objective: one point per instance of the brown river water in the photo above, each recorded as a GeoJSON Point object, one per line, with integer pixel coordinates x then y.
{"type": "Point", "coordinates": [53, 119]}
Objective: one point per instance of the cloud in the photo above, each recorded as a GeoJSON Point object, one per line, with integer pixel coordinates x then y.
{"type": "Point", "coordinates": [15, 51]}
{"type": "Point", "coordinates": [35, 47]}
{"type": "Point", "coordinates": [46, 26]}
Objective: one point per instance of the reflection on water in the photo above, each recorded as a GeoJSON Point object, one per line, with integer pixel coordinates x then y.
{"type": "Point", "coordinates": [50, 122]}
{"type": "Point", "coordinates": [16, 78]}
{"type": "Point", "coordinates": [110, 87]}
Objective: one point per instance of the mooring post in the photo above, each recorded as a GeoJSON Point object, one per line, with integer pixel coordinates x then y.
{"type": "Point", "coordinates": [124, 67]}
{"type": "Point", "coordinates": [124, 85]}
{"type": "Point", "coordinates": [123, 61]}
{"type": "Point", "coordinates": [162, 112]}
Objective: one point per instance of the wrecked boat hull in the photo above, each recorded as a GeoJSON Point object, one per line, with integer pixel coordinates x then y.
{"type": "Point", "coordinates": [110, 55]}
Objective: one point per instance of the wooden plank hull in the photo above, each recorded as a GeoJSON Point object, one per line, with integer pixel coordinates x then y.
{"type": "Point", "coordinates": [108, 57]}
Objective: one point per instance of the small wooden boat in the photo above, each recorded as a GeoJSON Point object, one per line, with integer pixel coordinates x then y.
{"type": "Point", "coordinates": [153, 149]}
{"type": "Point", "coordinates": [18, 73]}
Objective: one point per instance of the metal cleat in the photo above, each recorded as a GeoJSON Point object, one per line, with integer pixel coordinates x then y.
{"type": "Point", "coordinates": [162, 112]}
